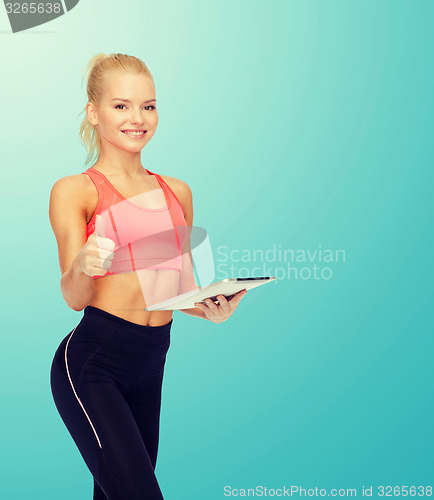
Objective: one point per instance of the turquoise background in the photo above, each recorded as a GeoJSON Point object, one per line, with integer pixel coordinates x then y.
{"type": "Point", "coordinates": [303, 125]}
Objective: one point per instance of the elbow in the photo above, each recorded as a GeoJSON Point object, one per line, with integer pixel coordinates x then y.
{"type": "Point", "coordinates": [74, 305]}
{"type": "Point", "coordinates": [77, 302]}
{"type": "Point", "coordinates": [76, 308]}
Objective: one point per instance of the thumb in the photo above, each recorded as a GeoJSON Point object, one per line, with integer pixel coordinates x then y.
{"type": "Point", "coordinates": [99, 226]}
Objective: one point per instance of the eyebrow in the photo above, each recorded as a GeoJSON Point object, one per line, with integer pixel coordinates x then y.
{"type": "Point", "coordinates": [127, 100]}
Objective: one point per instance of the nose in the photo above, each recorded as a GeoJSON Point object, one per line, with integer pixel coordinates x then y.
{"type": "Point", "coordinates": [136, 117]}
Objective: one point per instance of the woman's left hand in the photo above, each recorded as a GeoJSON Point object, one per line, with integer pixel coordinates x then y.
{"type": "Point", "coordinates": [222, 311]}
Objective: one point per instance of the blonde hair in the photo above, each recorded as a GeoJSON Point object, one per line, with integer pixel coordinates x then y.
{"type": "Point", "coordinates": [96, 70]}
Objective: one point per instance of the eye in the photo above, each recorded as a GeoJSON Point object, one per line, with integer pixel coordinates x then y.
{"type": "Point", "coordinates": [150, 106]}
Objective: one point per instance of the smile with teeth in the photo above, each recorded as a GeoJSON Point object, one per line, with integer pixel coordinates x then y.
{"type": "Point", "coordinates": [134, 133]}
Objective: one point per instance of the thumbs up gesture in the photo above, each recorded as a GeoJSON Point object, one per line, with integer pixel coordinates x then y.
{"type": "Point", "coordinates": [96, 255]}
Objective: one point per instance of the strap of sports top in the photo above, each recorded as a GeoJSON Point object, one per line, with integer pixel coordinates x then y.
{"type": "Point", "coordinates": [160, 179]}
{"type": "Point", "coordinates": [168, 188]}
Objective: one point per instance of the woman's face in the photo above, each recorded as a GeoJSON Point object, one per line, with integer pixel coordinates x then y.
{"type": "Point", "coordinates": [128, 104]}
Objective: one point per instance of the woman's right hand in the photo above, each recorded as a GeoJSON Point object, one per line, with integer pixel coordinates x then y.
{"type": "Point", "coordinates": [96, 255]}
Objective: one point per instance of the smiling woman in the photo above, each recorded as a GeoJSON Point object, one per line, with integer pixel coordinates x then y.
{"type": "Point", "coordinates": [113, 115]}
{"type": "Point", "coordinates": [123, 235]}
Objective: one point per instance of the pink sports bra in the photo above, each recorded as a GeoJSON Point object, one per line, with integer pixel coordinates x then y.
{"type": "Point", "coordinates": [145, 238]}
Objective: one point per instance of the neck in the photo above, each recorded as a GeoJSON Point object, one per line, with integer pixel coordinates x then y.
{"type": "Point", "coordinates": [120, 163]}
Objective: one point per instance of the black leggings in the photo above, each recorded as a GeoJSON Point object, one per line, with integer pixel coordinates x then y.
{"type": "Point", "coordinates": [106, 379]}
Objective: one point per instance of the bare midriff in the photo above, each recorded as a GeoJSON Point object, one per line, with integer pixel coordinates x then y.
{"type": "Point", "coordinates": [125, 294]}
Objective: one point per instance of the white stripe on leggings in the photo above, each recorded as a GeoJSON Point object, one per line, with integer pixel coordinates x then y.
{"type": "Point", "coordinates": [78, 399]}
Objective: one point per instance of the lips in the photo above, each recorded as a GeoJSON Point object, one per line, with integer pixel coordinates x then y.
{"type": "Point", "coordinates": [134, 135]}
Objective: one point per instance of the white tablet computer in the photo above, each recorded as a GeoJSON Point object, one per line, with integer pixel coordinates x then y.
{"type": "Point", "coordinates": [226, 287]}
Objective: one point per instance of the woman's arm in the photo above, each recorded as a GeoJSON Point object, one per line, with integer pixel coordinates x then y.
{"type": "Point", "coordinates": [187, 282]}
{"type": "Point", "coordinates": [77, 287]}
{"type": "Point", "coordinates": [67, 214]}
{"type": "Point", "coordinates": [209, 311]}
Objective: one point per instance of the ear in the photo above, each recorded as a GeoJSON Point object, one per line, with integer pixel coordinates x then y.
{"type": "Point", "coordinates": [91, 113]}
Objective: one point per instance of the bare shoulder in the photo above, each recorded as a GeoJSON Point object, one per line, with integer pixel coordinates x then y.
{"type": "Point", "coordinates": [75, 189]}
{"type": "Point", "coordinates": [73, 184]}
{"type": "Point", "coordinates": [177, 185]}
{"type": "Point", "coordinates": [182, 191]}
